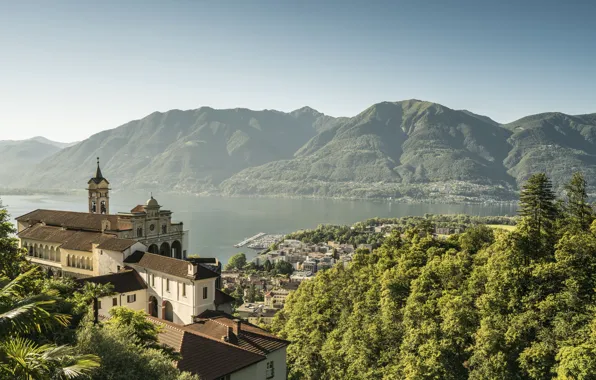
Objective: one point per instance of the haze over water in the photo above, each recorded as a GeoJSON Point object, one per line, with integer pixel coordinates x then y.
{"type": "Point", "coordinates": [215, 224]}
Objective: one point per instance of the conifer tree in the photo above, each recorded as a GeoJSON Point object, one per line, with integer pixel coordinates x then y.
{"type": "Point", "coordinates": [579, 212]}
{"type": "Point", "coordinates": [537, 205]}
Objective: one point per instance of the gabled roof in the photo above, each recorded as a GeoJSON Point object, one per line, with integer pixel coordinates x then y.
{"type": "Point", "coordinates": [70, 219]}
{"type": "Point", "coordinates": [123, 282]}
{"type": "Point", "coordinates": [75, 239]}
{"type": "Point", "coordinates": [138, 208]}
{"type": "Point", "coordinates": [208, 357]}
{"type": "Point", "coordinates": [168, 265]}
{"type": "Point", "coordinates": [223, 298]}
{"type": "Point", "coordinates": [117, 244]}
{"type": "Point", "coordinates": [251, 338]}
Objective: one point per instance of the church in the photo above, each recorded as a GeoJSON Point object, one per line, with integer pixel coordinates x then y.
{"type": "Point", "coordinates": [142, 255]}
{"type": "Point", "coordinates": [80, 244]}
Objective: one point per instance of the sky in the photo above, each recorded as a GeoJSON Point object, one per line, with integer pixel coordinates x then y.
{"type": "Point", "coordinates": [69, 69]}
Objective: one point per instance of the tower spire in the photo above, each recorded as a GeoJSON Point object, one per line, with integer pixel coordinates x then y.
{"type": "Point", "coordinates": [98, 174]}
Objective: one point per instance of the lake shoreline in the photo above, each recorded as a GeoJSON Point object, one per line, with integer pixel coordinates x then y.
{"type": "Point", "coordinates": [402, 200]}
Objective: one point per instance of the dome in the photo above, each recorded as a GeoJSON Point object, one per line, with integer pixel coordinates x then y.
{"type": "Point", "coordinates": [151, 202]}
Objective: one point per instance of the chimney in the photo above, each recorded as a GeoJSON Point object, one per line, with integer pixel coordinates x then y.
{"type": "Point", "coordinates": [230, 337]}
{"type": "Point", "coordinates": [238, 327]}
{"type": "Point", "coordinates": [192, 269]}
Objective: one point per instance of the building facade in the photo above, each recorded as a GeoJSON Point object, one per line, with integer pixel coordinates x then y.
{"type": "Point", "coordinates": [80, 244]}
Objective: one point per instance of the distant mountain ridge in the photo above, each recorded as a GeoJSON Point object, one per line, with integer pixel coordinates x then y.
{"type": "Point", "coordinates": [409, 149]}
{"type": "Point", "coordinates": [18, 155]}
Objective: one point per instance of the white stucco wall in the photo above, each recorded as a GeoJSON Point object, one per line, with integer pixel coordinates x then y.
{"type": "Point", "coordinates": [139, 304]}
{"type": "Point", "coordinates": [108, 261]}
{"type": "Point", "coordinates": [258, 371]}
{"type": "Point", "coordinates": [184, 307]}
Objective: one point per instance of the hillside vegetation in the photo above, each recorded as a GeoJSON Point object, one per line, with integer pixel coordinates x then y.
{"type": "Point", "coordinates": [412, 150]}
{"type": "Point", "coordinates": [485, 304]}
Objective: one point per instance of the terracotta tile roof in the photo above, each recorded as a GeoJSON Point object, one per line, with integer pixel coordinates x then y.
{"type": "Point", "coordinates": [83, 240]}
{"type": "Point", "coordinates": [168, 265]}
{"type": "Point", "coordinates": [46, 233]}
{"type": "Point", "coordinates": [222, 297]}
{"type": "Point", "coordinates": [69, 219]}
{"type": "Point", "coordinates": [124, 282]}
{"type": "Point", "coordinates": [251, 338]}
{"type": "Point", "coordinates": [68, 239]}
{"type": "Point", "coordinates": [208, 357]}
{"type": "Point", "coordinates": [117, 244]}
{"type": "Point", "coordinates": [138, 208]}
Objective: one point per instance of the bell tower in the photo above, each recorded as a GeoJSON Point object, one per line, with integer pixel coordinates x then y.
{"type": "Point", "coordinates": [99, 193]}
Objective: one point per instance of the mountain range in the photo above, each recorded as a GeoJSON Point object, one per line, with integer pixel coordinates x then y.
{"type": "Point", "coordinates": [409, 149]}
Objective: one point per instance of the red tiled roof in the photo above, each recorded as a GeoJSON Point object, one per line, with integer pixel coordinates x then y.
{"type": "Point", "coordinates": [168, 265]}
{"type": "Point", "coordinates": [69, 219]}
{"type": "Point", "coordinates": [206, 356]}
{"type": "Point", "coordinates": [68, 239]}
{"type": "Point", "coordinates": [251, 338]}
{"type": "Point", "coordinates": [123, 282]}
{"type": "Point", "coordinates": [138, 208]}
{"type": "Point", "coordinates": [117, 244]}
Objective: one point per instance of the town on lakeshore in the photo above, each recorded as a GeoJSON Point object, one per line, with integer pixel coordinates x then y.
{"type": "Point", "coordinates": [144, 255]}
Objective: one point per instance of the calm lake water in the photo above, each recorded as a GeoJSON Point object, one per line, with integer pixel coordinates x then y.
{"type": "Point", "coordinates": [215, 224]}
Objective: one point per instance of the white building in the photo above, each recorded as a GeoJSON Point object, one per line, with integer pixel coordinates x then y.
{"type": "Point", "coordinates": [177, 289]}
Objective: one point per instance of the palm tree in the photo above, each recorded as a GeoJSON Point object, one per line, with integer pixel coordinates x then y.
{"type": "Point", "coordinates": [22, 314]}
{"type": "Point", "coordinates": [25, 359]}
{"type": "Point", "coordinates": [22, 358]}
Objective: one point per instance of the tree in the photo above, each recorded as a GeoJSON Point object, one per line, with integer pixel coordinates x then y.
{"type": "Point", "coordinates": [284, 267]}
{"type": "Point", "coordinates": [579, 211]}
{"type": "Point", "coordinates": [24, 359]}
{"type": "Point", "coordinates": [238, 261]}
{"type": "Point", "coordinates": [22, 313]}
{"type": "Point", "coordinates": [538, 208]}
{"type": "Point", "coordinates": [267, 266]}
{"type": "Point", "coordinates": [251, 295]}
{"type": "Point", "coordinates": [25, 314]}
{"type": "Point", "coordinates": [13, 260]}
{"type": "Point", "coordinates": [90, 293]}
{"type": "Point", "coordinates": [123, 356]}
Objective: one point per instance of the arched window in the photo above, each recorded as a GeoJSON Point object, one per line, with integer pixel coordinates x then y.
{"type": "Point", "coordinates": [67, 260]}
{"type": "Point", "coordinates": [139, 232]}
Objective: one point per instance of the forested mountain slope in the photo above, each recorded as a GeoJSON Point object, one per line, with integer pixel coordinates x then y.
{"type": "Point", "coordinates": [485, 304]}
{"type": "Point", "coordinates": [410, 149]}
{"type": "Point", "coordinates": [183, 150]}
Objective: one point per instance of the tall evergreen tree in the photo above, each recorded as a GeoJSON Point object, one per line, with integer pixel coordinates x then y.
{"type": "Point", "coordinates": [537, 205]}
{"type": "Point", "coordinates": [579, 212]}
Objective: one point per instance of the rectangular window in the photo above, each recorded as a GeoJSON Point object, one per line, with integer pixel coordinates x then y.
{"type": "Point", "coordinates": [270, 370]}
{"type": "Point", "coordinates": [205, 292]}
{"type": "Point", "coordinates": [164, 229]}
{"type": "Point", "coordinates": [152, 280]}
{"type": "Point", "coordinates": [114, 301]}
{"type": "Point", "coordinates": [167, 284]}
{"type": "Point", "coordinates": [183, 290]}
{"type": "Point", "coordinates": [132, 298]}
{"type": "Point", "coordinates": [99, 304]}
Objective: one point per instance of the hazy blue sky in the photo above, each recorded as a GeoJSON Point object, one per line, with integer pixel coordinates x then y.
{"type": "Point", "coordinates": [72, 68]}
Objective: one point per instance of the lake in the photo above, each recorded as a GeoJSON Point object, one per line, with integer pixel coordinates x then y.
{"type": "Point", "coordinates": [215, 224]}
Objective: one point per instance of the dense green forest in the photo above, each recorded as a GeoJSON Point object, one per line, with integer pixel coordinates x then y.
{"type": "Point", "coordinates": [484, 304]}
{"type": "Point", "coordinates": [47, 330]}
{"type": "Point", "coordinates": [364, 232]}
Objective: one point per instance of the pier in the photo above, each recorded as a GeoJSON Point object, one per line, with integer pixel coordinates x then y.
{"type": "Point", "coordinates": [248, 240]}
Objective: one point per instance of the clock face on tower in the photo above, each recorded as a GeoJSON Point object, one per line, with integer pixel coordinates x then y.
{"type": "Point", "coordinates": [152, 227]}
